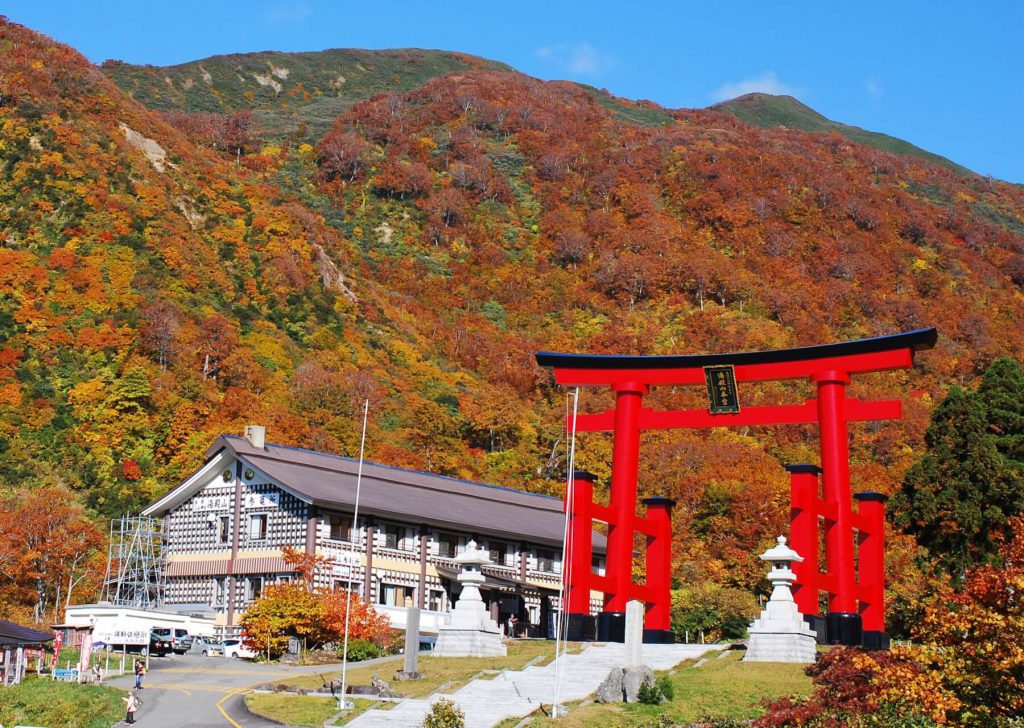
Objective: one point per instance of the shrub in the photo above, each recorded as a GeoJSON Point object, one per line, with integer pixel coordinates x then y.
{"type": "Point", "coordinates": [649, 693]}
{"type": "Point", "coordinates": [445, 713]}
{"type": "Point", "coordinates": [360, 649]}
{"type": "Point", "coordinates": [717, 611]}
{"type": "Point", "coordinates": [666, 687]}
{"type": "Point", "coordinates": [857, 689]}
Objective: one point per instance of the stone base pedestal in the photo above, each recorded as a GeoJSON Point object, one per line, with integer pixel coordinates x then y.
{"type": "Point", "coordinates": [623, 684]}
{"type": "Point", "coordinates": [580, 627]}
{"type": "Point", "coordinates": [780, 647]}
{"type": "Point", "coordinates": [401, 675]}
{"type": "Point", "coordinates": [454, 642]}
{"type": "Point", "coordinates": [659, 637]}
{"type": "Point", "coordinates": [611, 627]}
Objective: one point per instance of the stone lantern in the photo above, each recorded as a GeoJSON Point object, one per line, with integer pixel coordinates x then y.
{"type": "Point", "coordinates": [471, 632]}
{"type": "Point", "coordinates": [780, 634]}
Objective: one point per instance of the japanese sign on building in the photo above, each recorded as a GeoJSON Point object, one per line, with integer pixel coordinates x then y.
{"type": "Point", "coordinates": [722, 395]}
{"type": "Point", "coordinates": [224, 503]}
{"type": "Point", "coordinates": [262, 500]}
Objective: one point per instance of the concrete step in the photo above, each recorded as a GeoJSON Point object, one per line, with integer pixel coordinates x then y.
{"type": "Point", "coordinates": [516, 693]}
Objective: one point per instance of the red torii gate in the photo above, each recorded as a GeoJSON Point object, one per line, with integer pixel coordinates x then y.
{"type": "Point", "coordinates": [830, 367]}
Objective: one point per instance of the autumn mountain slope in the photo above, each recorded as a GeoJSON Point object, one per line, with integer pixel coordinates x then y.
{"type": "Point", "coordinates": [478, 218]}
{"type": "Point", "coordinates": [148, 288]}
{"type": "Point", "coordinates": [766, 111]}
{"type": "Point", "coordinates": [290, 93]}
{"type": "Point", "coordinates": [298, 95]}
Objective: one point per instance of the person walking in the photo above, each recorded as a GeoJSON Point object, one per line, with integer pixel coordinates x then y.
{"type": "Point", "coordinates": [132, 705]}
{"type": "Point", "coordinates": [140, 673]}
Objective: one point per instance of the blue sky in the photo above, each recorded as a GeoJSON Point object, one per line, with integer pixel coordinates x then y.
{"type": "Point", "coordinates": [945, 75]}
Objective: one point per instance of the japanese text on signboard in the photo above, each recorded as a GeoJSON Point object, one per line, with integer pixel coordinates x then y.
{"type": "Point", "coordinates": [224, 503]}
{"type": "Point", "coordinates": [722, 395]}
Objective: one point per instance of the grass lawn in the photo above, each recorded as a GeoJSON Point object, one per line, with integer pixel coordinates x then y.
{"type": "Point", "coordinates": [720, 688]}
{"type": "Point", "coordinates": [44, 702]}
{"type": "Point", "coordinates": [438, 671]}
{"type": "Point", "coordinates": [451, 673]}
{"type": "Point", "coordinates": [299, 709]}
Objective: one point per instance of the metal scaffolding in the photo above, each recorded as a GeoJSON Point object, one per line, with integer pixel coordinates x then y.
{"type": "Point", "coordinates": [134, 563]}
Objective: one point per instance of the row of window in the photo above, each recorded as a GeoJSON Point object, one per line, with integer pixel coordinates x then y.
{"type": "Point", "coordinates": [393, 595]}
{"type": "Point", "coordinates": [400, 538]}
{"type": "Point", "coordinates": [257, 530]}
{"type": "Point", "coordinates": [449, 545]}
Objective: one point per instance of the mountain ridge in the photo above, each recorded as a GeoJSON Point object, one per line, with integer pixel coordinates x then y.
{"type": "Point", "coordinates": [311, 116]}
{"type": "Point", "coordinates": [768, 110]}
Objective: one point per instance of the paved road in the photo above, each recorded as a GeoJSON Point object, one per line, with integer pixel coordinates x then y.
{"type": "Point", "coordinates": [206, 692]}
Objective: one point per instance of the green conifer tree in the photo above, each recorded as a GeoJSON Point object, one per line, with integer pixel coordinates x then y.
{"type": "Point", "coordinates": [956, 500]}
{"type": "Point", "coordinates": [1002, 393]}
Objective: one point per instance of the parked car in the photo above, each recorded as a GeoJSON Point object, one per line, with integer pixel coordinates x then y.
{"type": "Point", "coordinates": [179, 638]}
{"type": "Point", "coordinates": [158, 646]}
{"type": "Point", "coordinates": [237, 649]}
{"type": "Point", "coordinates": [206, 647]}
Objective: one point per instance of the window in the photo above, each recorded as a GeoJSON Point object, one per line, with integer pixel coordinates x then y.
{"type": "Point", "coordinates": [393, 537]}
{"type": "Point", "coordinates": [341, 527]}
{"type": "Point", "coordinates": [258, 527]}
{"type": "Point", "coordinates": [597, 564]}
{"type": "Point", "coordinates": [435, 600]}
{"type": "Point", "coordinates": [393, 595]}
{"type": "Point", "coordinates": [220, 592]}
{"type": "Point", "coordinates": [545, 560]}
{"type": "Point", "coordinates": [253, 588]}
{"type": "Point", "coordinates": [502, 553]}
{"type": "Point", "coordinates": [447, 545]}
{"type": "Point", "coordinates": [224, 529]}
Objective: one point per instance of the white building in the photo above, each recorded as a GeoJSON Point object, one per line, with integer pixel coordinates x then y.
{"type": "Point", "coordinates": [224, 527]}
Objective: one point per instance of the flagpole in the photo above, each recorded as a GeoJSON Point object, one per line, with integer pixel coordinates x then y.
{"type": "Point", "coordinates": [563, 623]}
{"type": "Point", "coordinates": [355, 525]}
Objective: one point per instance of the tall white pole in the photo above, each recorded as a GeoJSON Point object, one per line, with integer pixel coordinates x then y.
{"type": "Point", "coordinates": [562, 625]}
{"type": "Point", "coordinates": [355, 525]}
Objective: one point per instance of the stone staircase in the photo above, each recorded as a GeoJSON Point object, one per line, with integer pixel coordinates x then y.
{"type": "Point", "coordinates": [518, 693]}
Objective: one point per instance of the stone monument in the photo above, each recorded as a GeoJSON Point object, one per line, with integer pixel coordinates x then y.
{"type": "Point", "coordinates": [410, 670]}
{"type": "Point", "coordinates": [623, 683]}
{"type": "Point", "coordinates": [471, 632]}
{"type": "Point", "coordinates": [780, 634]}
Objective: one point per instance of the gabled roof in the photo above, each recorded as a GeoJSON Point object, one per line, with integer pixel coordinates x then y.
{"type": "Point", "coordinates": [329, 481]}
{"type": "Point", "coordinates": [14, 634]}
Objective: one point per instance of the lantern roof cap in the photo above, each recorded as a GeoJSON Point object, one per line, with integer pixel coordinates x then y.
{"type": "Point", "coordinates": [781, 552]}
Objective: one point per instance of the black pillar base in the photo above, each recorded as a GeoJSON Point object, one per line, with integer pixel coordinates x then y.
{"type": "Point", "coordinates": [843, 628]}
{"type": "Point", "coordinates": [875, 640]}
{"type": "Point", "coordinates": [580, 628]}
{"type": "Point", "coordinates": [659, 637]}
{"type": "Point", "coordinates": [817, 623]}
{"type": "Point", "coordinates": [611, 627]}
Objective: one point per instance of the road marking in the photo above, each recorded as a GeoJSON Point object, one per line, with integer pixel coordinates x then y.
{"type": "Point", "coordinates": [168, 687]}
{"type": "Point", "coordinates": [189, 686]}
{"type": "Point", "coordinates": [213, 671]}
{"type": "Point", "coordinates": [237, 691]}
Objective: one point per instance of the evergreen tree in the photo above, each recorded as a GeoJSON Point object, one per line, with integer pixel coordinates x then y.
{"type": "Point", "coordinates": [1002, 393]}
{"type": "Point", "coordinates": [957, 499]}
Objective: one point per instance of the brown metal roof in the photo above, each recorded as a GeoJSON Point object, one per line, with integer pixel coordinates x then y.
{"type": "Point", "coordinates": [15, 635]}
{"type": "Point", "coordinates": [219, 566]}
{"type": "Point", "coordinates": [329, 481]}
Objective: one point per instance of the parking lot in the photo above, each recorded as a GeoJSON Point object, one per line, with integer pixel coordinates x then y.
{"type": "Point", "coordinates": [191, 691]}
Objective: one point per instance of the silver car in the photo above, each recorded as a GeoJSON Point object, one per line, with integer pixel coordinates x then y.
{"type": "Point", "coordinates": [207, 647]}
